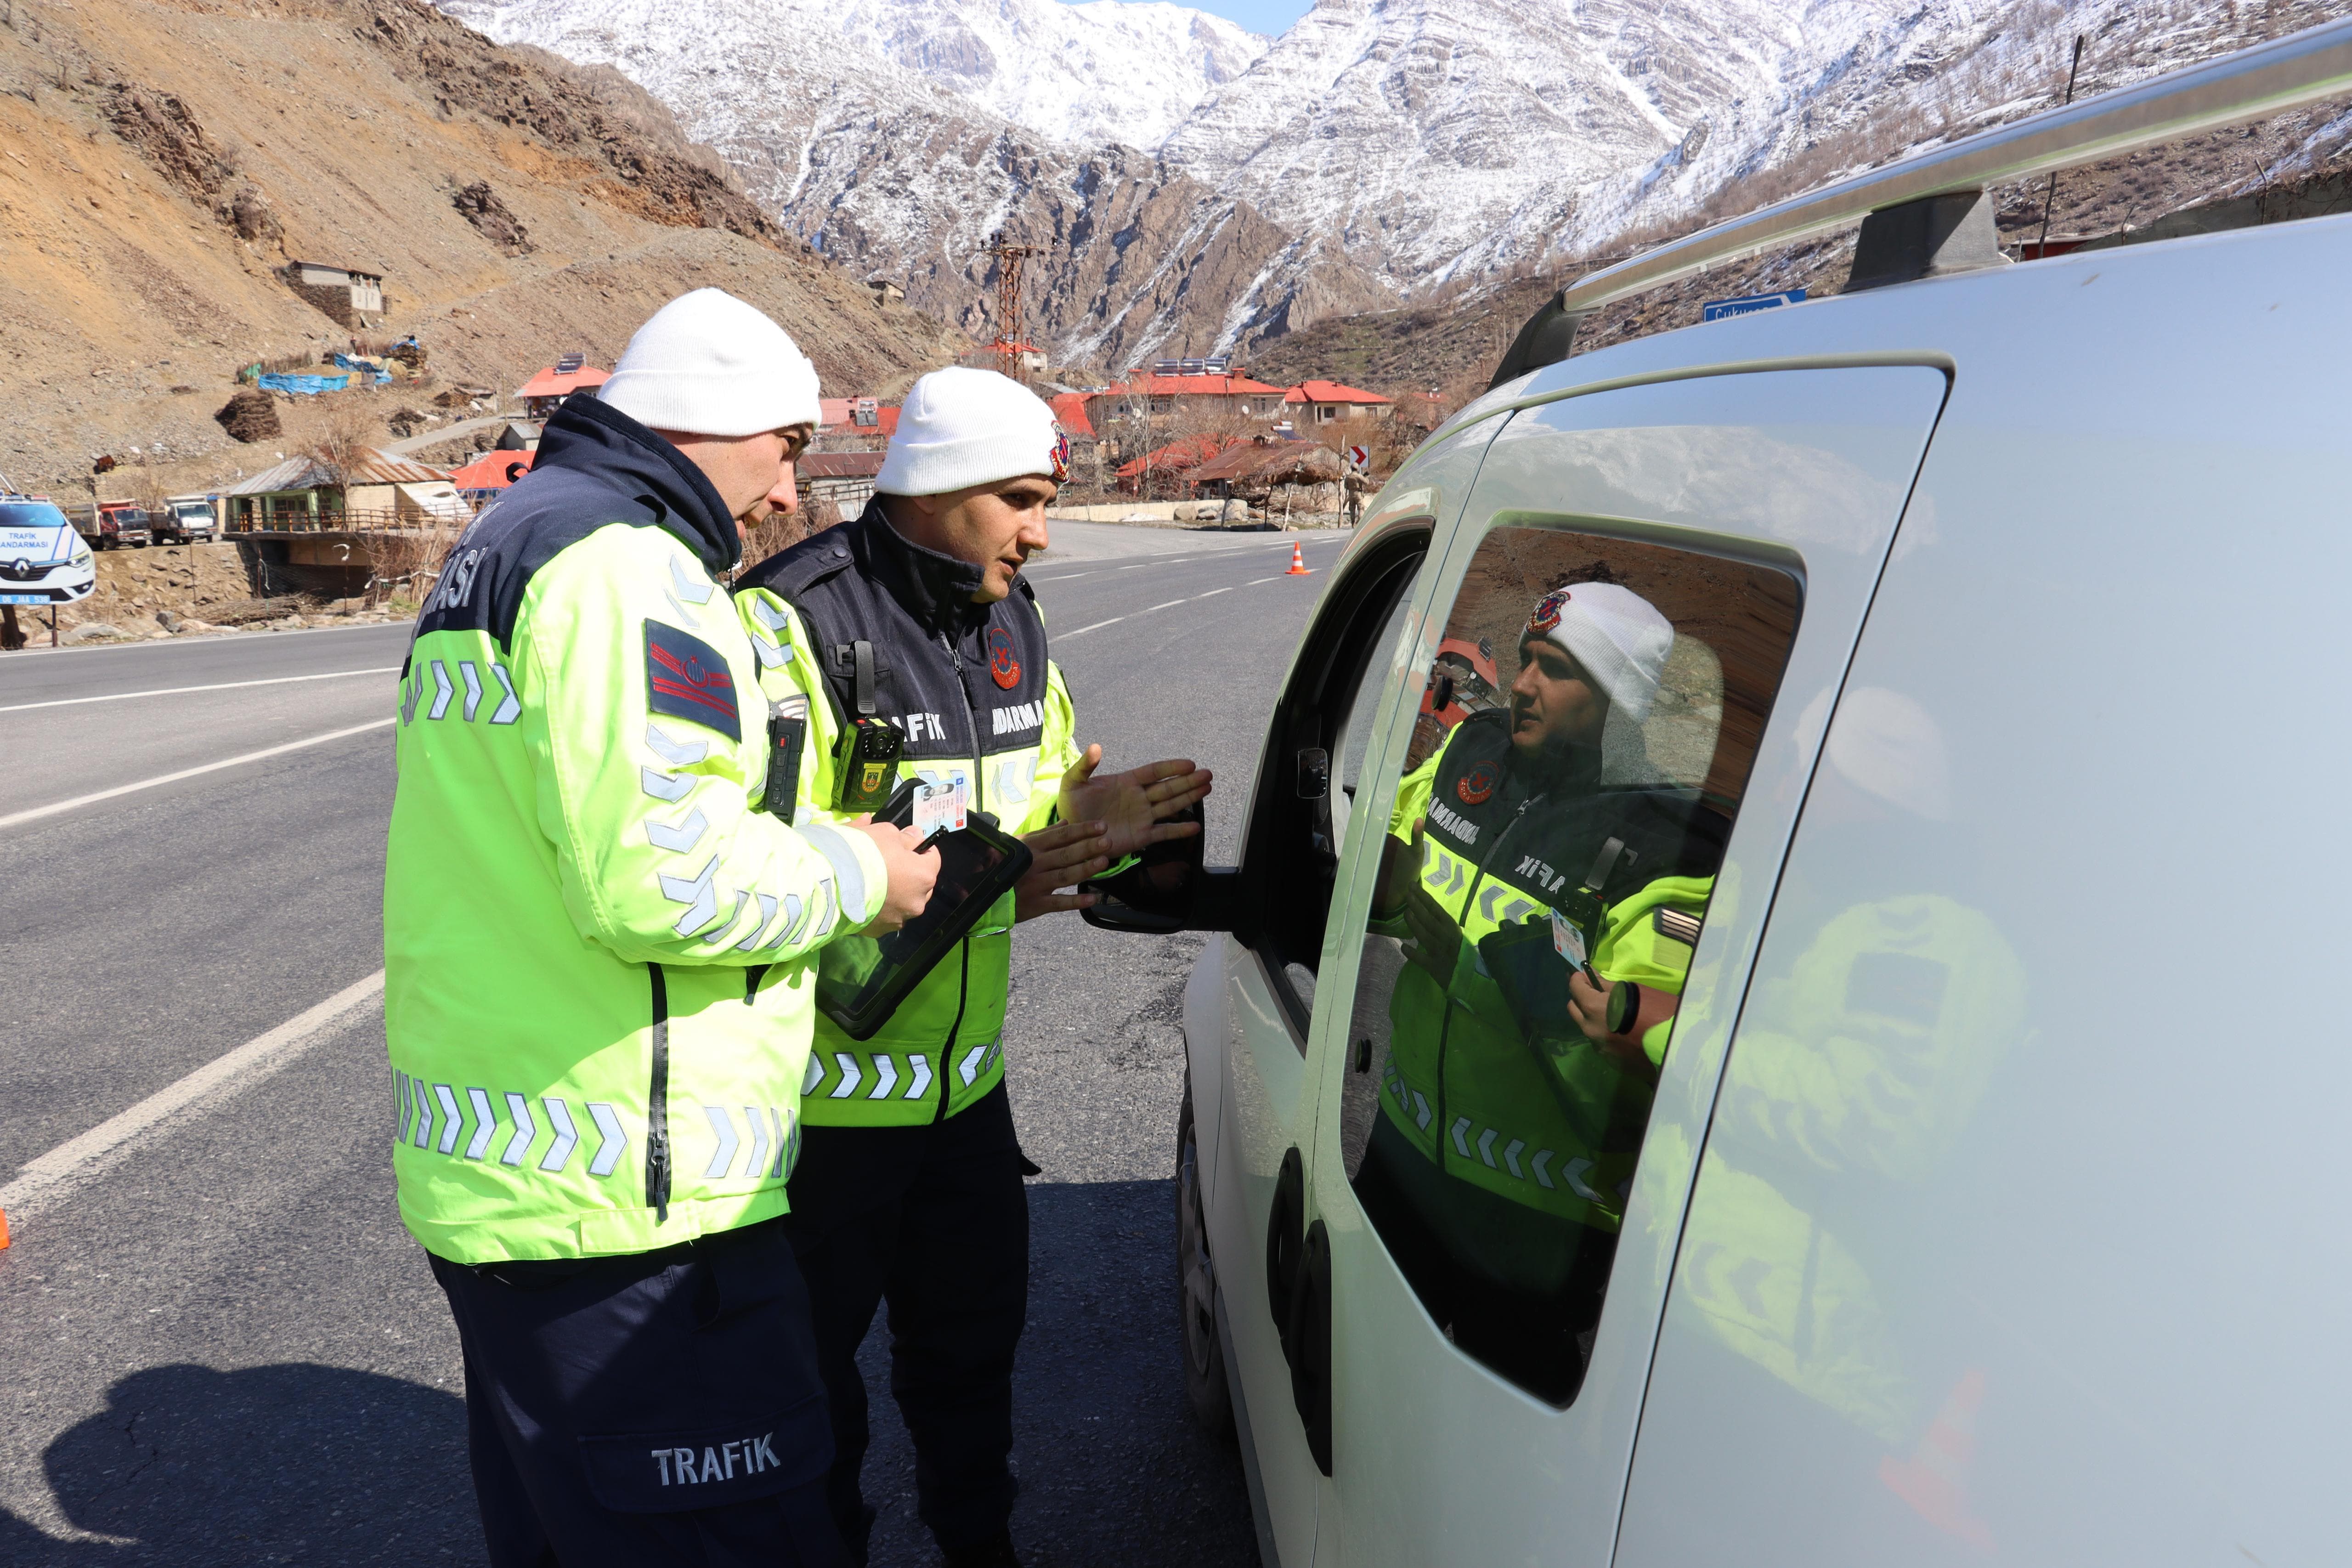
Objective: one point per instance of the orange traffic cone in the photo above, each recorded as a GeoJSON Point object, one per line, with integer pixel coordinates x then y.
{"type": "Point", "coordinates": [4, 1230]}
{"type": "Point", "coordinates": [1298, 562]}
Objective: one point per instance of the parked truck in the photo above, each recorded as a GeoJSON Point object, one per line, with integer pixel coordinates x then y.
{"type": "Point", "coordinates": [110, 524]}
{"type": "Point", "coordinates": [184, 520]}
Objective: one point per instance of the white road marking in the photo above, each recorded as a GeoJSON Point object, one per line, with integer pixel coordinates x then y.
{"type": "Point", "coordinates": [1063, 578]}
{"type": "Point", "coordinates": [1114, 620]}
{"type": "Point", "coordinates": [180, 690]}
{"type": "Point", "coordinates": [1255, 581]}
{"type": "Point", "coordinates": [13, 818]}
{"type": "Point", "coordinates": [54, 1175]}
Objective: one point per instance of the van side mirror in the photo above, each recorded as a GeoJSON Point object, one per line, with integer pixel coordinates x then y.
{"type": "Point", "coordinates": [1168, 889]}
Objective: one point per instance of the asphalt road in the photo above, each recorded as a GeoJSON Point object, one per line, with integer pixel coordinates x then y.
{"type": "Point", "coordinates": [221, 1348]}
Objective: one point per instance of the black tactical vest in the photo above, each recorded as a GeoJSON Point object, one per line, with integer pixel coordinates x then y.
{"type": "Point", "coordinates": [962, 681]}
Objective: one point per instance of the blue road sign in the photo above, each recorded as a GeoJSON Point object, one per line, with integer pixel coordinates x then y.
{"type": "Point", "coordinates": [1717, 310]}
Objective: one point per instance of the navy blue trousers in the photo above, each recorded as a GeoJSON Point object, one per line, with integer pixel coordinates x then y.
{"type": "Point", "coordinates": [659, 1408]}
{"type": "Point", "coordinates": [934, 1220]}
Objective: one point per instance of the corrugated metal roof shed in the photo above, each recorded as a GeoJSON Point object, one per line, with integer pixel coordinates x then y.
{"type": "Point", "coordinates": [298, 473]}
{"type": "Point", "coordinates": [307, 473]}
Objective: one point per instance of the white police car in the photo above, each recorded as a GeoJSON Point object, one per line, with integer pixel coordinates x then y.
{"type": "Point", "coordinates": [1968, 1183]}
{"type": "Point", "coordinates": [42, 560]}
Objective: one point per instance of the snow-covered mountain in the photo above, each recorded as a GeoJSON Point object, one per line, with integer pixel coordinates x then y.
{"type": "Point", "coordinates": [1105, 71]}
{"type": "Point", "coordinates": [1426, 133]}
{"type": "Point", "coordinates": [1197, 188]}
{"type": "Point", "coordinates": [883, 164]}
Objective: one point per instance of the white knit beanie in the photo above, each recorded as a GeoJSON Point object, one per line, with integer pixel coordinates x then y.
{"type": "Point", "coordinates": [962, 427]}
{"type": "Point", "coordinates": [708, 364]}
{"type": "Point", "coordinates": [1615, 634]}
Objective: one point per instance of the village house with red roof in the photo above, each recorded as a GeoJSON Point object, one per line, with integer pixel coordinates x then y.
{"type": "Point", "coordinates": [544, 392]}
{"type": "Point", "coordinates": [1230, 395]}
{"type": "Point", "coordinates": [1312, 403]}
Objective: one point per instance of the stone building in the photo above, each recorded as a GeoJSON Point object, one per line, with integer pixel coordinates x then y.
{"type": "Point", "coordinates": [352, 299]}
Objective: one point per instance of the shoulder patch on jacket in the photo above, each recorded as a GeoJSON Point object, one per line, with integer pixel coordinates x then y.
{"type": "Point", "coordinates": [687, 677]}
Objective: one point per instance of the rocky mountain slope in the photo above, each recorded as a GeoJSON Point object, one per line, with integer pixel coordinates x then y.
{"type": "Point", "coordinates": [1105, 71]}
{"type": "Point", "coordinates": [1381, 154]}
{"type": "Point", "coordinates": [1434, 137]}
{"type": "Point", "coordinates": [161, 160]}
{"type": "Point", "coordinates": [898, 136]}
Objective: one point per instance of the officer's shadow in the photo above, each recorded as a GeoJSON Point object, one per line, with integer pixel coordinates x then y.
{"type": "Point", "coordinates": [292, 1463]}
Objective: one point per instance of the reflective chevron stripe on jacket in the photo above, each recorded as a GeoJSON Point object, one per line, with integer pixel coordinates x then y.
{"type": "Point", "coordinates": [596, 951]}
{"type": "Point", "coordinates": [979, 701]}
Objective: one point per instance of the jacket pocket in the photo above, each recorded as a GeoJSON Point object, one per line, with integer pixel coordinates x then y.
{"type": "Point", "coordinates": [669, 1471]}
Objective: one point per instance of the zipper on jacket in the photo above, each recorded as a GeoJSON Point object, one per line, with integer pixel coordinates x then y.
{"type": "Point", "coordinates": [658, 1103]}
{"type": "Point", "coordinates": [971, 718]}
{"type": "Point", "coordinates": [1445, 1028]}
{"type": "Point", "coordinates": [964, 977]}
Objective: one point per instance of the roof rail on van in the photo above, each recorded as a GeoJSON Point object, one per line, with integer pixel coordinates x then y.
{"type": "Point", "coordinates": [2252, 84]}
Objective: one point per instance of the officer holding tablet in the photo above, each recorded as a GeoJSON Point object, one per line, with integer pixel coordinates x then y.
{"type": "Point", "coordinates": [904, 645]}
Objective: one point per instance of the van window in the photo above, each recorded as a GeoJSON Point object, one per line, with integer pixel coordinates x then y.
{"type": "Point", "coordinates": [1314, 745]}
{"type": "Point", "coordinates": [1589, 722]}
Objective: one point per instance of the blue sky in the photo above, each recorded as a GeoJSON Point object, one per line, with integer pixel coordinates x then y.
{"type": "Point", "coordinates": [1267, 16]}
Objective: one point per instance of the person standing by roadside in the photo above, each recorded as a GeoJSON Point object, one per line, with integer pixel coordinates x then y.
{"type": "Point", "coordinates": [909, 1185]}
{"type": "Point", "coordinates": [595, 954]}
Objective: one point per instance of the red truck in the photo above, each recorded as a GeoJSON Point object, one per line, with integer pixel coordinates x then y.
{"type": "Point", "coordinates": [111, 524]}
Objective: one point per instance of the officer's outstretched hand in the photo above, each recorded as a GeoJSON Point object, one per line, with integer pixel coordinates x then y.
{"type": "Point", "coordinates": [1063, 854]}
{"type": "Point", "coordinates": [911, 875]}
{"type": "Point", "coordinates": [1134, 807]}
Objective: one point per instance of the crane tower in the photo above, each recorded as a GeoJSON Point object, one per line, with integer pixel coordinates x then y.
{"type": "Point", "coordinates": [1009, 258]}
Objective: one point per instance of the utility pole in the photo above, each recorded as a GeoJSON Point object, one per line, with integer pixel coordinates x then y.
{"type": "Point", "coordinates": [1009, 258]}
{"type": "Point", "coordinates": [2049, 198]}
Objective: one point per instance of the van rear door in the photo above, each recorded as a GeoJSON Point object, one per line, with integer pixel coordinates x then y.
{"type": "Point", "coordinates": [1476, 1161]}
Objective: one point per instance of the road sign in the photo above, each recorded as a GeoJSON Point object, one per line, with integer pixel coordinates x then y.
{"type": "Point", "coordinates": [1358, 459]}
{"type": "Point", "coordinates": [1749, 304]}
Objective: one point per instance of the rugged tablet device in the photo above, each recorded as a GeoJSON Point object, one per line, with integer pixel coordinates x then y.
{"type": "Point", "coordinates": [861, 979]}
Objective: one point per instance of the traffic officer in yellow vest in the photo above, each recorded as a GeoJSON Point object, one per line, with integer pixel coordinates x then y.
{"type": "Point", "coordinates": [596, 989]}
{"type": "Point", "coordinates": [915, 616]}
{"type": "Point", "coordinates": [1512, 1101]}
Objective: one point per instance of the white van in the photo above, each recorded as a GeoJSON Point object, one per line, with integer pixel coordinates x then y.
{"type": "Point", "coordinates": [1960, 1182]}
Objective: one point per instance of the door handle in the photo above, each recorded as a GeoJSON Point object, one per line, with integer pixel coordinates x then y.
{"type": "Point", "coordinates": [1298, 1295]}
{"type": "Point", "coordinates": [1310, 1334]}
{"type": "Point", "coordinates": [1285, 1225]}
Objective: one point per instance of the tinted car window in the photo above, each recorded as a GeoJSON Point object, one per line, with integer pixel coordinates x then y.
{"type": "Point", "coordinates": [1589, 724]}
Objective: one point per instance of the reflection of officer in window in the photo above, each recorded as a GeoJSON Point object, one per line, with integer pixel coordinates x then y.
{"type": "Point", "coordinates": [1512, 1112]}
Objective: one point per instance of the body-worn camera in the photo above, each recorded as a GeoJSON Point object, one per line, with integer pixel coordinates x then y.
{"type": "Point", "coordinates": [865, 764]}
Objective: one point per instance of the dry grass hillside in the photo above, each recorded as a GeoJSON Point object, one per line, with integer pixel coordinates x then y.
{"type": "Point", "coordinates": [161, 159]}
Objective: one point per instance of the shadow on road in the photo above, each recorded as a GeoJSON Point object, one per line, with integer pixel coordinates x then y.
{"type": "Point", "coordinates": [309, 1464]}
{"type": "Point", "coordinates": [1113, 1468]}
{"type": "Point", "coordinates": [294, 1463]}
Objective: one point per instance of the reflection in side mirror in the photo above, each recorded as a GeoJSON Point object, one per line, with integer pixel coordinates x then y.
{"type": "Point", "coordinates": [1314, 773]}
